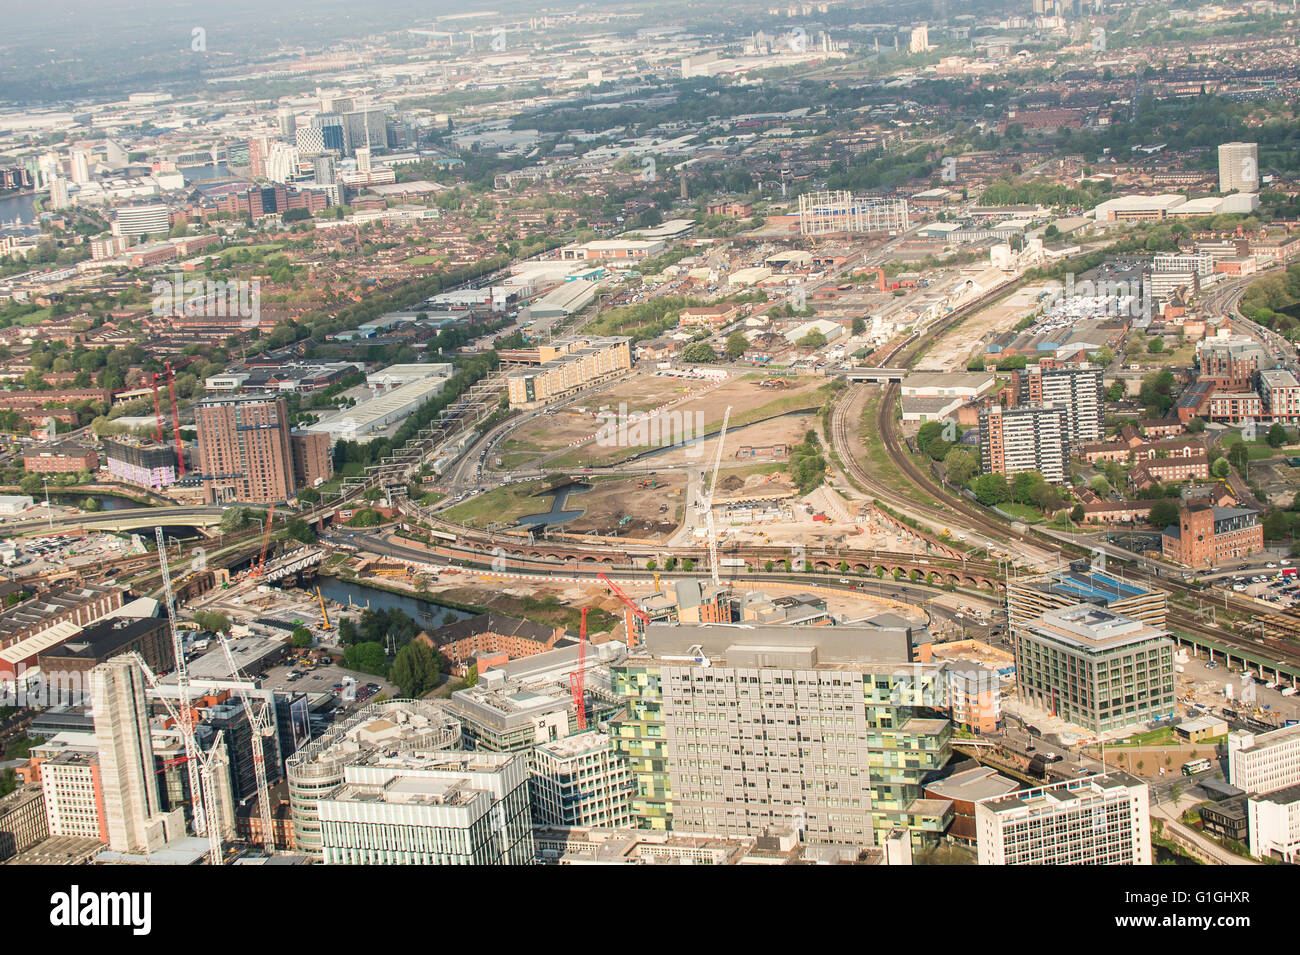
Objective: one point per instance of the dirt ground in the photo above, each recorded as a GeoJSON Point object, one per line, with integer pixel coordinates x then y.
{"type": "Point", "coordinates": [956, 347]}
{"type": "Point", "coordinates": [608, 502]}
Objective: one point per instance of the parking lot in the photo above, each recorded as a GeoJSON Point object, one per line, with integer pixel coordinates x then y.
{"type": "Point", "coordinates": [1279, 586]}
{"type": "Point", "coordinates": [322, 679]}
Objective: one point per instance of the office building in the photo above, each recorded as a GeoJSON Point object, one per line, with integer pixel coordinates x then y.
{"type": "Point", "coordinates": [1264, 762]}
{"type": "Point", "coordinates": [323, 170]}
{"type": "Point", "coordinates": [1099, 820]}
{"type": "Point", "coordinates": [244, 450]}
{"type": "Point", "coordinates": [746, 731]}
{"type": "Point", "coordinates": [579, 781]}
{"type": "Point", "coordinates": [80, 167]}
{"type": "Point", "coordinates": [288, 124]}
{"type": "Point", "coordinates": [66, 457]}
{"type": "Point", "coordinates": [1238, 167]}
{"type": "Point", "coordinates": [71, 785]}
{"type": "Point", "coordinates": [282, 162]}
{"type": "Point", "coordinates": [505, 717]}
{"type": "Point", "coordinates": [1206, 534]}
{"type": "Point", "coordinates": [22, 821]}
{"type": "Point", "coordinates": [1274, 821]}
{"type": "Point", "coordinates": [1078, 390]}
{"type": "Point", "coordinates": [143, 220]}
{"type": "Point", "coordinates": [429, 808]}
{"type": "Point", "coordinates": [126, 763]}
{"type": "Point", "coordinates": [1025, 438]}
{"type": "Point", "coordinates": [393, 729]}
{"type": "Point", "coordinates": [230, 719]}
{"type": "Point", "coordinates": [1095, 668]}
{"type": "Point", "coordinates": [1031, 597]}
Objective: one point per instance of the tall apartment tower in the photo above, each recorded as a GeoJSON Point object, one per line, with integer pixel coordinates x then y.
{"type": "Point", "coordinates": [1238, 167]}
{"type": "Point", "coordinates": [288, 124]}
{"type": "Point", "coordinates": [126, 762]}
{"type": "Point", "coordinates": [1078, 390]}
{"type": "Point", "coordinates": [244, 450]}
{"type": "Point", "coordinates": [1025, 438]}
{"type": "Point", "coordinates": [80, 167]}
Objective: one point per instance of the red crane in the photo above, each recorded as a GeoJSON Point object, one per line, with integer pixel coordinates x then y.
{"type": "Point", "coordinates": [176, 422]}
{"type": "Point", "coordinates": [157, 412]}
{"type": "Point", "coordinates": [578, 678]}
{"type": "Point", "coordinates": [618, 592]}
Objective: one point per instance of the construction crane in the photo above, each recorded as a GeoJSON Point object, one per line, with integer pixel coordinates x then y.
{"type": "Point", "coordinates": [618, 592]}
{"type": "Point", "coordinates": [266, 542]}
{"type": "Point", "coordinates": [658, 588]}
{"type": "Point", "coordinates": [157, 412]}
{"type": "Point", "coordinates": [176, 422]}
{"type": "Point", "coordinates": [200, 765]}
{"type": "Point", "coordinates": [708, 502]}
{"type": "Point", "coordinates": [259, 722]}
{"type": "Point", "coordinates": [578, 678]}
{"type": "Point", "coordinates": [204, 821]}
{"type": "Point", "coordinates": [325, 617]}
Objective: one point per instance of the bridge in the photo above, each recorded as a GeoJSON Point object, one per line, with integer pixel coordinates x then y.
{"type": "Point", "coordinates": [292, 563]}
{"type": "Point", "coordinates": [131, 519]}
{"type": "Point", "coordinates": [880, 376]}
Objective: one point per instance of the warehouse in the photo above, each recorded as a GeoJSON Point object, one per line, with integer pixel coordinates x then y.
{"type": "Point", "coordinates": [372, 419]}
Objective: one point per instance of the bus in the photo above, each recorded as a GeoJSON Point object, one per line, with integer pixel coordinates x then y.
{"type": "Point", "coordinates": [1192, 767]}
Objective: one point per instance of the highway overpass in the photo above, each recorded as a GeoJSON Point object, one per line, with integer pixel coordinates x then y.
{"type": "Point", "coordinates": [129, 519]}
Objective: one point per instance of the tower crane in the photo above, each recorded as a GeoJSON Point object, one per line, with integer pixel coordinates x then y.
{"type": "Point", "coordinates": [176, 422]}
{"type": "Point", "coordinates": [157, 412]}
{"type": "Point", "coordinates": [708, 501]}
{"type": "Point", "coordinates": [617, 591]}
{"type": "Point", "coordinates": [578, 678]}
{"type": "Point", "coordinates": [325, 617]}
{"type": "Point", "coordinates": [259, 722]}
{"type": "Point", "coordinates": [201, 765]}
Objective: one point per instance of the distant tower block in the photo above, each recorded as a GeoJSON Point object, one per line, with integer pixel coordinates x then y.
{"type": "Point", "coordinates": [682, 177]}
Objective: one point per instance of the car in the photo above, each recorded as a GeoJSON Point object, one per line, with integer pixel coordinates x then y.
{"type": "Point", "coordinates": [844, 580]}
{"type": "Point", "coordinates": [1052, 757]}
{"type": "Point", "coordinates": [1211, 665]}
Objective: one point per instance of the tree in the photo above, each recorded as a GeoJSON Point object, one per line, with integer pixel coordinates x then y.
{"type": "Point", "coordinates": [1276, 526]}
{"type": "Point", "coordinates": [737, 345]}
{"type": "Point", "coordinates": [960, 465]}
{"type": "Point", "coordinates": [368, 657]}
{"type": "Point", "coordinates": [814, 339]}
{"type": "Point", "coordinates": [31, 484]}
{"type": "Point", "coordinates": [859, 325]}
{"type": "Point", "coordinates": [1221, 469]}
{"type": "Point", "coordinates": [1077, 513]}
{"type": "Point", "coordinates": [416, 669]}
{"type": "Point", "coordinates": [212, 621]}
{"type": "Point", "coordinates": [1046, 497]}
{"type": "Point", "coordinates": [347, 630]}
{"type": "Point", "coordinates": [1163, 513]}
{"type": "Point", "coordinates": [302, 638]}
{"type": "Point", "coordinates": [991, 489]}
{"type": "Point", "coordinates": [300, 530]}
{"type": "Point", "coordinates": [1276, 436]}
{"type": "Point", "coordinates": [1099, 485]}
{"type": "Point", "coordinates": [1156, 346]}
{"type": "Point", "coordinates": [700, 353]}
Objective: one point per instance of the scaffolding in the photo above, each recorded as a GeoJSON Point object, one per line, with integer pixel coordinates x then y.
{"type": "Point", "coordinates": [822, 213]}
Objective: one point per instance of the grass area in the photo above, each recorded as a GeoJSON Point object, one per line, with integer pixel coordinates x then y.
{"type": "Point", "coordinates": [425, 259]}
{"type": "Point", "coordinates": [1170, 357]}
{"type": "Point", "coordinates": [878, 461]}
{"type": "Point", "coordinates": [502, 505]}
{"type": "Point", "coordinates": [34, 318]}
{"type": "Point", "coordinates": [1022, 512]}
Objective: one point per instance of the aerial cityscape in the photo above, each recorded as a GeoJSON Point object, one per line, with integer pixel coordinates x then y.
{"type": "Point", "coordinates": [835, 432]}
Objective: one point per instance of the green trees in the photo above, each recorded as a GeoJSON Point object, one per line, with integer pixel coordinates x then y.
{"type": "Point", "coordinates": [699, 353]}
{"type": "Point", "coordinates": [300, 530]}
{"type": "Point", "coordinates": [212, 621]}
{"type": "Point", "coordinates": [960, 465]}
{"type": "Point", "coordinates": [1158, 392]}
{"type": "Point", "coordinates": [930, 439]}
{"type": "Point", "coordinates": [1276, 436]}
{"type": "Point", "coordinates": [1276, 525]}
{"type": "Point", "coordinates": [368, 657]}
{"type": "Point", "coordinates": [416, 670]}
{"type": "Point", "coordinates": [1163, 513]}
{"type": "Point", "coordinates": [737, 345]}
{"type": "Point", "coordinates": [1221, 469]}
{"type": "Point", "coordinates": [814, 339]}
{"type": "Point", "coordinates": [991, 489]}
{"type": "Point", "coordinates": [807, 464]}
{"type": "Point", "coordinates": [301, 638]}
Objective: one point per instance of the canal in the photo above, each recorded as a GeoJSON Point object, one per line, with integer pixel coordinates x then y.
{"type": "Point", "coordinates": [425, 613]}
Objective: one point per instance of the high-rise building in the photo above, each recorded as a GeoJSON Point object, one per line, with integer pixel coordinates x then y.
{"type": "Point", "coordinates": [282, 162]}
{"type": "Point", "coordinates": [813, 730]}
{"type": "Point", "coordinates": [59, 193]}
{"type": "Point", "coordinates": [288, 124]}
{"type": "Point", "coordinates": [22, 821]}
{"type": "Point", "coordinates": [1099, 820]}
{"type": "Point", "coordinates": [259, 147]}
{"type": "Point", "coordinates": [135, 221]}
{"type": "Point", "coordinates": [80, 167]}
{"type": "Point", "coordinates": [1239, 167]}
{"type": "Point", "coordinates": [1031, 597]}
{"type": "Point", "coordinates": [1079, 390]}
{"type": "Point", "coordinates": [392, 728]}
{"type": "Point", "coordinates": [126, 762]}
{"type": "Point", "coordinates": [1025, 438]}
{"type": "Point", "coordinates": [244, 449]}
{"type": "Point", "coordinates": [920, 39]}
{"type": "Point", "coordinates": [1095, 668]}
{"type": "Point", "coordinates": [429, 808]}
{"type": "Point", "coordinates": [1264, 762]}
{"type": "Point", "coordinates": [1274, 825]}
{"type": "Point", "coordinates": [313, 463]}
{"type": "Point", "coordinates": [323, 170]}
{"type": "Point", "coordinates": [579, 781]}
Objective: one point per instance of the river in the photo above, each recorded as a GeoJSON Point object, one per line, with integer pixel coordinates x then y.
{"type": "Point", "coordinates": [17, 207]}
{"type": "Point", "coordinates": [424, 613]}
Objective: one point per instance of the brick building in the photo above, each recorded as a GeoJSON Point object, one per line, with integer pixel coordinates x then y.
{"type": "Point", "coordinates": [1206, 535]}
{"type": "Point", "coordinates": [244, 449]}
{"type": "Point", "coordinates": [492, 633]}
{"type": "Point", "coordinates": [63, 458]}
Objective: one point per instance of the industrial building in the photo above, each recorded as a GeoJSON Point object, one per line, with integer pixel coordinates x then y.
{"type": "Point", "coordinates": [373, 418]}
{"type": "Point", "coordinates": [568, 365]}
{"type": "Point", "coordinates": [1098, 820]}
{"type": "Point", "coordinates": [1095, 668]}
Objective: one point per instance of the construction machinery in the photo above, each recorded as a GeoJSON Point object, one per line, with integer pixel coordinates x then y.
{"type": "Point", "coordinates": [206, 818]}
{"type": "Point", "coordinates": [617, 591]}
{"type": "Point", "coordinates": [578, 678]}
{"type": "Point", "coordinates": [260, 723]}
{"type": "Point", "coordinates": [658, 588]}
{"type": "Point", "coordinates": [324, 614]}
{"type": "Point", "coordinates": [708, 500]}
{"type": "Point", "coordinates": [266, 542]}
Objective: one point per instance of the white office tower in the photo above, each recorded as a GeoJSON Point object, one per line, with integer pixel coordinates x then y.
{"type": "Point", "coordinates": [1238, 167]}
{"type": "Point", "coordinates": [59, 193]}
{"type": "Point", "coordinates": [579, 781]}
{"type": "Point", "coordinates": [115, 154]}
{"type": "Point", "coordinates": [1264, 762]}
{"type": "Point", "coordinates": [1098, 820]}
{"type": "Point", "coordinates": [363, 159]}
{"type": "Point", "coordinates": [288, 124]}
{"type": "Point", "coordinates": [430, 808]}
{"type": "Point", "coordinates": [920, 39]}
{"type": "Point", "coordinates": [80, 167]}
{"type": "Point", "coordinates": [282, 163]}
{"type": "Point", "coordinates": [126, 763]}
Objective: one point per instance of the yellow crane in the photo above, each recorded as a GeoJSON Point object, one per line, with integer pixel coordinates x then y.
{"type": "Point", "coordinates": [325, 617]}
{"type": "Point", "coordinates": [658, 590]}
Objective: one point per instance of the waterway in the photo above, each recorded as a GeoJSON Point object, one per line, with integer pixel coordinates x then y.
{"type": "Point", "coordinates": [17, 207]}
{"type": "Point", "coordinates": [423, 612]}
{"type": "Point", "coordinates": [107, 502]}
{"type": "Point", "coordinates": [557, 514]}
{"type": "Point", "coordinates": [204, 173]}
